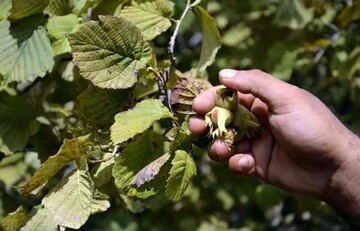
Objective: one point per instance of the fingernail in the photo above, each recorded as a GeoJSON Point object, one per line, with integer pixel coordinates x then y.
{"type": "Point", "coordinates": [244, 163]}
{"type": "Point", "coordinates": [227, 73]}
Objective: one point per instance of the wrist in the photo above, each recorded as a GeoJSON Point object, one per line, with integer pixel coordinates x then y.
{"type": "Point", "coordinates": [343, 189]}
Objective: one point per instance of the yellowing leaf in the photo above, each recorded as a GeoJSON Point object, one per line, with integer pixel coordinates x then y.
{"type": "Point", "coordinates": [141, 117]}
{"type": "Point", "coordinates": [350, 13]}
{"type": "Point", "coordinates": [110, 52]}
{"type": "Point", "coordinates": [25, 50]}
{"type": "Point", "coordinates": [13, 221]}
{"type": "Point", "coordinates": [150, 16]}
{"type": "Point", "coordinates": [74, 199]}
{"type": "Point", "coordinates": [211, 39]}
{"type": "Point", "coordinates": [182, 171]}
{"type": "Point", "coordinates": [58, 28]}
{"type": "Point", "coordinates": [70, 150]}
{"type": "Point", "coordinates": [21, 9]}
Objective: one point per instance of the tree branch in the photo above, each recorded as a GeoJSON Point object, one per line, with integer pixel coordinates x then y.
{"type": "Point", "coordinates": [173, 37]}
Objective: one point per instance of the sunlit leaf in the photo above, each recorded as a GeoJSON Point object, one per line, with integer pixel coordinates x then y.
{"type": "Point", "coordinates": [70, 150]}
{"type": "Point", "coordinates": [150, 16]}
{"type": "Point", "coordinates": [40, 221]}
{"type": "Point", "coordinates": [182, 171]}
{"type": "Point", "coordinates": [293, 14]}
{"type": "Point", "coordinates": [25, 50]}
{"type": "Point", "coordinates": [21, 9]}
{"type": "Point", "coordinates": [211, 39]}
{"type": "Point", "coordinates": [110, 52]}
{"type": "Point", "coordinates": [58, 28]}
{"type": "Point", "coordinates": [138, 119]}
{"type": "Point", "coordinates": [74, 199]}
{"type": "Point", "coordinates": [14, 221]}
{"type": "Point", "coordinates": [5, 7]}
{"type": "Point", "coordinates": [58, 7]}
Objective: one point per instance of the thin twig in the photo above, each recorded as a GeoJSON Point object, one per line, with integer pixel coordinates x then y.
{"type": "Point", "coordinates": [333, 38]}
{"type": "Point", "coordinates": [173, 37]}
{"type": "Point", "coordinates": [116, 149]}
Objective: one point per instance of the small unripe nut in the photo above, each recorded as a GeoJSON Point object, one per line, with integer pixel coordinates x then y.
{"type": "Point", "coordinates": [229, 120]}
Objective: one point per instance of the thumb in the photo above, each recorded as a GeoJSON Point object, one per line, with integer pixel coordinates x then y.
{"type": "Point", "coordinates": [258, 83]}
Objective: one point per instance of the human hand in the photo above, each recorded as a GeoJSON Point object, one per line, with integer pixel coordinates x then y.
{"type": "Point", "coordinates": [302, 148]}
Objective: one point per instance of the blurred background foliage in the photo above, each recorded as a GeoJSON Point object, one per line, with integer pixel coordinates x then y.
{"type": "Point", "coordinates": [314, 44]}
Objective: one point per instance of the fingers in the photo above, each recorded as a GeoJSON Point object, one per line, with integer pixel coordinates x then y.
{"type": "Point", "coordinates": [242, 164]}
{"type": "Point", "coordinates": [218, 150]}
{"type": "Point", "coordinates": [260, 84]}
{"type": "Point", "coordinates": [197, 125]}
{"type": "Point", "coordinates": [205, 101]}
{"type": "Point", "coordinates": [252, 158]}
{"type": "Point", "coordinates": [261, 149]}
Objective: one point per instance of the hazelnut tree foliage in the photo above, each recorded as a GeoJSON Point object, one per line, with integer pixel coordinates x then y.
{"type": "Point", "coordinates": [95, 96]}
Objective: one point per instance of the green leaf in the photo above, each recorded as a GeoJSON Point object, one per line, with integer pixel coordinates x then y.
{"type": "Point", "coordinates": [137, 120]}
{"type": "Point", "coordinates": [350, 13]}
{"type": "Point", "coordinates": [110, 52]}
{"type": "Point", "coordinates": [102, 173]}
{"type": "Point", "coordinates": [211, 39]}
{"type": "Point", "coordinates": [236, 35]}
{"type": "Point", "coordinates": [40, 221]}
{"type": "Point", "coordinates": [58, 28]}
{"type": "Point", "coordinates": [268, 196]}
{"type": "Point", "coordinates": [58, 7]}
{"type": "Point", "coordinates": [11, 174]}
{"type": "Point", "coordinates": [281, 59]}
{"type": "Point", "coordinates": [21, 9]}
{"type": "Point", "coordinates": [25, 50]}
{"type": "Point", "coordinates": [17, 122]}
{"type": "Point", "coordinates": [182, 171]}
{"type": "Point", "coordinates": [13, 221]}
{"type": "Point", "coordinates": [293, 14]}
{"type": "Point", "coordinates": [97, 107]}
{"type": "Point", "coordinates": [70, 150]}
{"type": "Point", "coordinates": [81, 6]}
{"type": "Point", "coordinates": [182, 138]}
{"type": "Point", "coordinates": [133, 159]}
{"type": "Point", "coordinates": [74, 199]}
{"type": "Point", "coordinates": [5, 7]}
{"type": "Point", "coordinates": [150, 16]}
